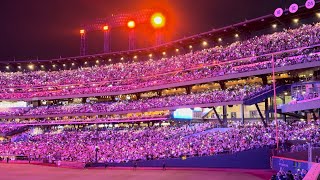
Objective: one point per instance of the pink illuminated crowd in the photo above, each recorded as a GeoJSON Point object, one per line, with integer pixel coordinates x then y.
{"type": "Point", "coordinates": [4, 129]}
{"type": "Point", "coordinates": [305, 97]}
{"type": "Point", "coordinates": [208, 63]}
{"type": "Point", "coordinates": [123, 145]}
{"type": "Point", "coordinates": [132, 117]}
{"type": "Point", "coordinates": [237, 93]}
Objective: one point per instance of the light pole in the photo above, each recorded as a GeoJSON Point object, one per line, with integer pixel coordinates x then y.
{"type": "Point", "coordinates": [131, 25]}
{"type": "Point", "coordinates": [275, 100]}
{"type": "Point", "coordinates": [83, 42]}
{"type": "Point", "coordinates": [106, 42]}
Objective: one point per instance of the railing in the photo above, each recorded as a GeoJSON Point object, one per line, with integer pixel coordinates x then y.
{"type": "Point", "coordinates": [62, 122]}
{"type": "Point", "coordinates": [123, 111]}
{"type": "Point", "coordinates": [298, 151]}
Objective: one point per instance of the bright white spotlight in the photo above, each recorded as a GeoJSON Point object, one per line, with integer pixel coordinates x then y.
{"type": "Point", "coordinates": [274, 26]}
{"type": "Point", "coordinates": [204, 43]}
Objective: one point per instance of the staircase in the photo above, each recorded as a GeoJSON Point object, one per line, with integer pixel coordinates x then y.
{"type": "Point", "coordinates": [291, 114]}
{"type": "Point", "coordinates": [301, 105]}
{"type": "Point", "coordinates": [209, 130]}
{"type": "Point", "coordinates": [21, 129]}
{"type": "Point", "coordinates": [206, 113]}
{"type": "Point", "coordinates": [266, 94]}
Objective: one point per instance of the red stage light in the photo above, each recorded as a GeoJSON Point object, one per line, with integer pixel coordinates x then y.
{"type": "Point", "coordinates": [82, 31]}
{"type": "Point", "coordinates": [158, 20]}
{"type": "Point", "coordinates": [106, 28]}
{"type": "Point", "coordinates": [131, 24]}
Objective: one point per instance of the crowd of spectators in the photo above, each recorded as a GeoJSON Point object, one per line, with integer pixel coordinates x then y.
{"type": "Point", "coordinates": [240, 56]}
{"type": "Point", "coordinates": [282, 175]}
{"type": "Point", "coordinates": [132, 117]}
{"type": "Point", "coordinates": [155, 142]}
{"type": "Point", "coordinates": [236, 93]}
{"type": "Point", "coordinates": [4, 129]}
{"type": "Point", "coordinates": [300, 97]}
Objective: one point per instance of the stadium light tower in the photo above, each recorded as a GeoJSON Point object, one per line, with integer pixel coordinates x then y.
{"type": "Point", "coordinates": [131, 25]}
{"type": "Point", "coordinates": [83, 49]}
{"type": "Point", "coordinates": [158, 21]}
{"type": "Point", "coordinates": [108, 24]}
{"type": "Point", "coordinates": [106, 42]}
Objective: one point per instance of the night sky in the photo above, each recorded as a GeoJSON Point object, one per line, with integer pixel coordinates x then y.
{"type": "Point", "coordinates": [50, 28]}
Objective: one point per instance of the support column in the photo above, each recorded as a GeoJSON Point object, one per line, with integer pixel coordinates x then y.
{"type": "Point", "coordinates": [261, 116]}
{"type": "Point", "coordinates": [314, 115]}
{"type": "Point", "coordinates": [217, 115]}
{"type": "Point", "coordinates": [224, 118]}
{"type": "Point", "coordinates": [188, 89]}
{"type": "Point", "coordinates": [272, 105]}
{"type": "Point", "coordinates": [242, 113]}
{"type": "Point", "coordinates": [84, 100]}
{"type": "Point", "coordinates": [306, 115]}
{"type": "Point", "coordinates": [224, 108]}
{"type": "Point", "coordinates": [266, 110]}
{"type": "Point", "coordinates": [284, 118]}
{"type": "Point", "coordinates": [138, 96]}
{"type": "Point", "coordinates": [264, 80]}
{"type": "Point", "coordinates": [222, 85]}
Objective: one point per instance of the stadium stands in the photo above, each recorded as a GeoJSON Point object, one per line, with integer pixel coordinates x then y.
{"type": "Point", "coordinates": [238, 57]}
{"type": "Point", "coordinates": [115, 118]}
{"type": "Point", "coordinates": [231, 94]}
{"type": "Point", "coordinates": [154, 142]}
{"type": "Point", "coordinates": [66, 131]}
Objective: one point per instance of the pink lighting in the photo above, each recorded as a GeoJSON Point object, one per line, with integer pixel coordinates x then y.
{"type": "Point", "coordinates": [278, 12]}
{"type": "Point", "coordinates": [310, 4]}
{"type": "Point", "coordinates": [293, 8]}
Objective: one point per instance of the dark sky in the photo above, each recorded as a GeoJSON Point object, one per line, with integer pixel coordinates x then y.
{"type": "Point", "coordinates": [50, 28]}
